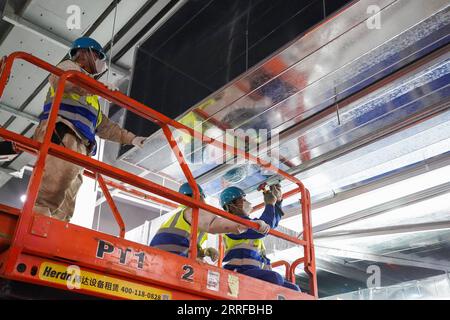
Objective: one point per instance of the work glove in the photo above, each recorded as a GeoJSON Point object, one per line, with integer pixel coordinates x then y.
{"type": "Point", "coordinates": [138, 142]}
{"type": "Point", "coordinates": [212, 253]}
{"type": "Point", "coordinates": [269, 198]}
{"type": "Point", "coordinates": [276, 191]}
{"type": "Point", "coordinates": [263, 226]}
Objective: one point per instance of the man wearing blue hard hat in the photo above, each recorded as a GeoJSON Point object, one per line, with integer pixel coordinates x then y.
{"type": "Point", "coordinates": [79, 121]}
{"type": "Point", "coordinates": [174, 234]}
{"type": "Point", "coordinates": [245, 252]}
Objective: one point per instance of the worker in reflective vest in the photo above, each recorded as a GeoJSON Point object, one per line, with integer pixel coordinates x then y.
{"type": "Point", "coordinates": [79, 120]}
{"type": "Point", "coordinates": [174, 235]}
{"type": "Point", "coordinates": [245, 253]}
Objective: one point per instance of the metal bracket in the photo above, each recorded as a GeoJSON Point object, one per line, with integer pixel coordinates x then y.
{"type": "Point", "coordinates": [41, 226]}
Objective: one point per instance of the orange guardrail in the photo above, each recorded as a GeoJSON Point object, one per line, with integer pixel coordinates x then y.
{"type": "Point", "coordinates": [99, 168]}
{"type": "Point", "coordinates": [287, 268]}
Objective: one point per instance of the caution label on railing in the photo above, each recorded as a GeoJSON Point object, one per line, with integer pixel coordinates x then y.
{"type": "Point", "coordinates": [76, 278]}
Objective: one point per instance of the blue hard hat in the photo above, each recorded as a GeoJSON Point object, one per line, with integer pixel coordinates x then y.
{"type": "Point", "coordinates": [86, 43]}
{"type": "Point", "coordinates": [186, 189]}
{"type": "Point", "coordinates": [230, 194]}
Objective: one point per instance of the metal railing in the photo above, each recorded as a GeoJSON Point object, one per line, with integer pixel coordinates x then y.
{"type": "Point", "coordinates": [287, 267]}
{"type": "Point", "coordinates": [99, 168]}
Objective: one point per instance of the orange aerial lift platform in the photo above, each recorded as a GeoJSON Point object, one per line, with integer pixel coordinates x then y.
{"type": "Point", "coordinates": [46, 252]}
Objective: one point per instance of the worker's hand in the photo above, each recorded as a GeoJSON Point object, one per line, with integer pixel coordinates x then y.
{"type": "Point", "coordinates": [276, 191]}
{"type": "Point", "coordinates": [269, 198]}
{"type": "Point", "coordinates": [138, 142]}
{"type": "Point", "coordinates": [263, 226]}
{"type": "Point", "coordinates": [111, 86]}
{"type": "Point", "coordinates": [212, 253]}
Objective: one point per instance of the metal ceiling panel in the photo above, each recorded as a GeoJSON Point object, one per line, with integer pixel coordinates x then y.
{"type": "Point", "coordinates": [416, 144]}
{"type": "Point", "coordinates": [435, 209]}
{"type": "Point", "coordinates": [52, 15]}
{"type": "Point", "coordinates": [419, 143]}
{"type": "Point", "coordinates": [35, 105]}
{"type": "Point", "coordinates": [25, 77]}
{"type": "Point", "coordinates": [412, 243]}
{"type": "Point", "coordinates": [374, 202]}
{"type": "Point", "coordinates": [19, 125]}
{"type": "Point", "coordinates": [318, 78]}
{"type": "Point", "coordinates": [4, 116]}
{"type": "Point", "coordinates": [385, 107]}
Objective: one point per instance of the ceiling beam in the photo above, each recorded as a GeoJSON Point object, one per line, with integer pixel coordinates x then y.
{"type": "Point", "coordinates": [354, 272]}
{"type": "Point", "coordinates": [398, 175]}
{"type": "Point", "coordinates": [24, 115]}
{"type": "Point", "coordinates": [424, 166]}
{"type": "Point", "coordinates": [402, 260]}
{"type": "Point", "coordinates": [389, 230]}
{"type": "Point", "coordinates": [386, 207]}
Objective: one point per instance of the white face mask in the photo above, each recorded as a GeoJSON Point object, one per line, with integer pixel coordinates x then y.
{"type": "Point", "coordinates": [247, 207]}
{"type": "Point", "coordinates": [100, 66]}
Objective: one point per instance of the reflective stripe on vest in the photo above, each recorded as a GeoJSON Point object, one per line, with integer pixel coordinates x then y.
{"type": "Point", "coordinates": [82, 111]}
{"type": "Point", "coordinates": [242, 258]}
{"type": "Point", "coordinates": [177, 226]}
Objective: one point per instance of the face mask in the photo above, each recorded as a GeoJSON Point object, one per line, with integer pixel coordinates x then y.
{"type": "Point", "coordinates": [245, 211]}
{"type": "Point", "coordinates": [100, 66]}
{"type": "Point", "coordinates": [247, 207]}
